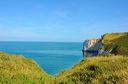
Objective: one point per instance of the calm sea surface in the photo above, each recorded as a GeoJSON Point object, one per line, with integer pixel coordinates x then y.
{"type": "Point", "coordinates": [53, 57]}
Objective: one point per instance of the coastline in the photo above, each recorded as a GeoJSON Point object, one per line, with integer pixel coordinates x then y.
{"type": "Point", "coordinates": [98, 69]}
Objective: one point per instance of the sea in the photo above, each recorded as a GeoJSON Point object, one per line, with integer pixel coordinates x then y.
{"type": "Point", "coordinates": [53, 57]}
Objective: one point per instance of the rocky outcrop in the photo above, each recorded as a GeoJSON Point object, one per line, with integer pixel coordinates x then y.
{"type": "Point", "coordinates": [92, 47]}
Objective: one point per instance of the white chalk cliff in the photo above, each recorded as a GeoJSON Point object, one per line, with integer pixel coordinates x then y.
{"type": "Point", "coordinates": [92, 45]}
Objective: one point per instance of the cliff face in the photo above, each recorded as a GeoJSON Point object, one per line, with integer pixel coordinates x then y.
{"type": "Point", "coordinates": [91, 47]}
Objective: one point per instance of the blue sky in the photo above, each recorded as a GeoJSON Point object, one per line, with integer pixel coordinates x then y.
{"type": "Point", "coordinates": [61, 20]}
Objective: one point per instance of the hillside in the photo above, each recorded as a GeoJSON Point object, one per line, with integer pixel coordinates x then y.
{"type": "Point", "coordinates": [97, 70]}
{"type": "Point", "coordinates": [117, 43]}
{"type": "Point", "coordinates": [20, 70]}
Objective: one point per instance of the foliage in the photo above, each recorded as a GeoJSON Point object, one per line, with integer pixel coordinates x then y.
{"type": "Point", "coordinates": [116, 42]}
{"type": "Point", "coordinates": [106, 38]}
{"type": "Point", "coordinates": [20, 70]}
{"type": "Point", "coordinates": [97, 70]}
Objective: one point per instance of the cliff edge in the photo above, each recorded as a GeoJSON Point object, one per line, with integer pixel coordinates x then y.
{"type": "Point", "coordinates": [110, 43]}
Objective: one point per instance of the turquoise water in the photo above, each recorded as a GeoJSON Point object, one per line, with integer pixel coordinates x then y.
{"type": "Point", "coordinates": [53, 57]}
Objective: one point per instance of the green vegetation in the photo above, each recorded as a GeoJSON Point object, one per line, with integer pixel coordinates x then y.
{"type": "Point", "coordinates": [106, 70]}
{"type": "Point", "coordinates": [106, 38]}
{"type": "Point", "coordinates": [20, 70]}
{"type": "Point", "coordinates": [117, 43]}
{"type": "Point", "coordinates": [97, 70]}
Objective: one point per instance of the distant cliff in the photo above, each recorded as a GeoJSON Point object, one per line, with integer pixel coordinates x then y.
{"type": "Point", "coordinates": [92, 47]}
{"type": "Point", "coordinates": [110, 43]}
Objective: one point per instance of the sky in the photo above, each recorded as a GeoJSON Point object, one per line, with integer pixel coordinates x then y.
{"type": "Point", "coordinates": [61, 20]}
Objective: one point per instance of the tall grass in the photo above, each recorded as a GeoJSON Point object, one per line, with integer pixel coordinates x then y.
{"type": "Point", "coordinates": [97, 70]}
{"type": "Point", "coordinates": [20, 70]}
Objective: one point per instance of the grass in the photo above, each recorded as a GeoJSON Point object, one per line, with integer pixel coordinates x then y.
{"type": "Point", "coordinates": [106, 38]}
{"type": "Point", "coordinates": [20, 70]}
{"type": "Point", "coordinates": [97, 70]}
{"type": "Point", "coordinates": [117, 42]}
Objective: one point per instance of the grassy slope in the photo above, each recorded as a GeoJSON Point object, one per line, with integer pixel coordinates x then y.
{"type": "Point", "coordinates": [19, 70]}
{"type": "Point", "coordinates": [111, 36]}
{"type": "Point", "coordinates": [96, 70]}
{"type": "Point", "coordinates": [117, 42]}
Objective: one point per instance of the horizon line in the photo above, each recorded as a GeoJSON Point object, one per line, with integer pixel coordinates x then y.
{"type": "Point", "coordinates": [40, 41]}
